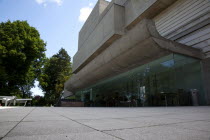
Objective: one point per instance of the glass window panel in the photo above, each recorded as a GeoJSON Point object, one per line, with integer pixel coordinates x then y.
{"type": "Point", "coordinates": [169, 78]}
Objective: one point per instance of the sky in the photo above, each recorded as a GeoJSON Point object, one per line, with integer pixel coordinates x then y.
{"type": "Point", "coordinates": [58, 21]}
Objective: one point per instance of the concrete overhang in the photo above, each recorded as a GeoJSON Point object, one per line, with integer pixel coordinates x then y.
{"type": "Point", "coordinates": [107, 23]}
{"type": "Point", "coordinates": [139, 45]}
{"type": "Point", "coordinates": [136, 10]}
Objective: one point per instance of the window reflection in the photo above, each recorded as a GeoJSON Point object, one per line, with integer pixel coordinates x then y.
{"type": "Point", "coordinates": [169, 78]}
{"type": "Point", "coordinates": [169, 63]}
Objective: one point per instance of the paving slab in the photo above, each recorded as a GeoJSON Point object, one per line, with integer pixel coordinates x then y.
{"type": "Point", "coordinates": [160, 123]}
{"type": "Point", "coordinates": [125, 123]}
{"type": "Point", "coordinates": [44, 118]}
{"type": "Point", "coordinates": [48, 128]}
{"type": "Point", "coordinates": [11, 118]}
{"type": "Point", "coordinates": [72, 136]}
{"type": "Point", "coordinates": [196, 125]}
{"type": "Point", "coordinates": [5, 127]}
{"type": "Point", "coordinates": [13, 114]}
{"type": "Point", "coordinates": [189, 116]}
{"type": "Point", "coordinates": [160, 133]}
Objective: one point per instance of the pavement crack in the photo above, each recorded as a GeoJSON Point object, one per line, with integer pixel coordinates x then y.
{"type": "Point", "coordinates": [150, 126]}
{"type": "Point", "coordinates": [88, 126]}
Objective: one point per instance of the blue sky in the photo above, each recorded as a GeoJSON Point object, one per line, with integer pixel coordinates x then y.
{"type": "Point", "coordinates": [58, 21]}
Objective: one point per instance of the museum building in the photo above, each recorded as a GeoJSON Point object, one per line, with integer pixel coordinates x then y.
{"type": "Point", "coordinates": [144, 53]}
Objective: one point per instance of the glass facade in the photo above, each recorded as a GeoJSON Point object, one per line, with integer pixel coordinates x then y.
{"type": "Point", "coordinates": [165, 81]}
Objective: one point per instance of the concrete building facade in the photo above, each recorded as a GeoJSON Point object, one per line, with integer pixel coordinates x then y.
{"type": "Point", "coordinates": [144, 53]}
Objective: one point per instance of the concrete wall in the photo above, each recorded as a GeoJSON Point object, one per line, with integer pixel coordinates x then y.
{"type": "Point", "coordinates": [104, 27]}
{"type": "Point", "coordinates": [120, 2]}
{"type": "Point", "coordinates": [107, 30]}
{"type": "Point", "coordinates": [187, 22]}
{"type": "Point", "coordinates": [92, 22]}
{"type": "Point", "coordinates": [136, 10]}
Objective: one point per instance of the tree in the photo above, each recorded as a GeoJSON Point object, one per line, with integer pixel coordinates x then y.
{"type": "Point", "coordinates": [22, 54]}
{"type": "Point", "coordinates": [38, 101]}
{"type": "Point", "coordinates": [55, 72]}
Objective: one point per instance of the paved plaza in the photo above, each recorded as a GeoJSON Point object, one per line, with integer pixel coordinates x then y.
{"type": "Point", "coordinates": [149, 123]}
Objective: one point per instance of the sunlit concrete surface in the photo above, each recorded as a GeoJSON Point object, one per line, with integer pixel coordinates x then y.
{"type": "Point", "coordinates": [2, 107]}
{"type": "Point", "coordinates": [149, 123]}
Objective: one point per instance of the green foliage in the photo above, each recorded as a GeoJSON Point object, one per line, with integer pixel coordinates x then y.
{"type": "Point", "coordinates": [71, 97]}
{"type": "Point", "coordinates": [56, 71]}
{"type": "Point", "coordinates": [38, 101]}
{"type": "Point", "coordinates": [22, 54]}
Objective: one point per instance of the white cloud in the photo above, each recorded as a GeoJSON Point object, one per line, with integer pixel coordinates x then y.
{"type": "Point", "coordinates": [59, 2]}
{"type": "Point", "coordinates": [45, 2]}
{"type": "Point", "coordinates": [84, 13]}
{"type": "Point", "coordinates": [40, 1]}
